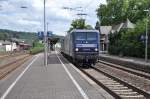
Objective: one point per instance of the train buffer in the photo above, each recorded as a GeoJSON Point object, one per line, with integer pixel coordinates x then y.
{"type": "Point", "coordinates": [59, 80]}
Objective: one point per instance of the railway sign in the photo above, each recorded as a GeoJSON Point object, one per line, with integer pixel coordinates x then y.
{"type": "Point", "coordinates": [41, 35]}
{"type": "Point", "coordinates": [49, 33]}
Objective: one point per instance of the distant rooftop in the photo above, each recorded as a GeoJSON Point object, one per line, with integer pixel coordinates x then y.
{"type": "Point", "coordinates": [116, 28]}
{"type": "Point", "coordinates": [105, 29]}
{"type": "Point", "coordinates": [5, 42]}
{"type": "Point", "coordinates": [127, 25]}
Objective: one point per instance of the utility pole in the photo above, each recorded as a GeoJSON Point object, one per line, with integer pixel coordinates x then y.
{"type": "Point", "coordinates": [146, 41]}
{"type": "Point", "coordinates": [45, 37]}
{"type": "Point", "coordinates": [48, 44]}
{"type": "Point", "coordinates": [146, 37]}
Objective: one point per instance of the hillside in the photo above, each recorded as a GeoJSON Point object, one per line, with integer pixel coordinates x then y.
{"type": "Point", "coordinates": [29, 37]}
{"type": "Point", "coordinates": [6, 34]}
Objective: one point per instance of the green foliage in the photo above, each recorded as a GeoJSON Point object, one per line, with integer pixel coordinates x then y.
{"type": "Point", "coordinates": [7, 34]}
{"type": "Point", "coordinates": [127, 42]}
{"type": "Point", "coordinates": [79, 24]}
{"type": "Point", "coordinates": [121, 10]}
{"type": "Point", "coordinates": [38, 44]}
{"type": "Point", "coordinates": [36, 50]}
{"type": "Point", "coordinates": [97, 26]}
{"type": "Point", "coordinates": [4, 36]}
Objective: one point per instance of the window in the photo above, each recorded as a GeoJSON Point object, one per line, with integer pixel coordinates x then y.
{"type": "Point", "coordinates": [92, 36]}
{"type": "Point", "coordinates": [80, 36]}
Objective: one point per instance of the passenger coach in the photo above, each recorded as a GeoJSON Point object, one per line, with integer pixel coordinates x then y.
{"type": "Point", "coordinates": [82, 46]}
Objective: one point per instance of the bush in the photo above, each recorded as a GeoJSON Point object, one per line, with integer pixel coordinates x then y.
{"type": "Point", "coordinates": [36, 50]}
{"type": "Point", "coordinates": [128, 42]}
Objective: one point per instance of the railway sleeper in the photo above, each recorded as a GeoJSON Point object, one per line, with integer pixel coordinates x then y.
{"type": "Point", "coordinates": [133, 97]}
{"type": "Point", "coordinates": [106, 80]}
{"type": "Point", "coordinates": [112, 85]}
{"type": "Point", "coordinates": [127, 93]}
{"type": "Point", "coordinates": [120, 88]}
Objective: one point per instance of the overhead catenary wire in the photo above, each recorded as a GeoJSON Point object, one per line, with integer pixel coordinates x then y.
{"type": "Point", "coordinates": [88, 5]}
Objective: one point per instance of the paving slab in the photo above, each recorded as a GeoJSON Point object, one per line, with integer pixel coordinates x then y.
{"type": "Point", "coordinates": [52, 82]}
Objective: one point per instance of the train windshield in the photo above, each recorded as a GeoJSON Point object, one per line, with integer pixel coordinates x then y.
{"type": "Point", "coordinates": [81, 36]}
{"type": "Point", "coordinates": [92, 36]}
{"type": "Point", "coordinates": [86, 36]}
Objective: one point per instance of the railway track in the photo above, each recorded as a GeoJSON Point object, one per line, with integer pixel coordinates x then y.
{"type": "Point", "coordinates": [129, 70]}
{"type": "Point", "coordinates": [11, 55]}
{"type": "Point", "coordinates": [116, 87]}
{"type": "Point", "coordinates": [119, 81]}
{"type": "Point", "coordinates": [9, 67]}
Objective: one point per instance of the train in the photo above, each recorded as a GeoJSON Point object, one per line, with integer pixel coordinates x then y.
{"type": "Point", "coordinates": [81, 46]}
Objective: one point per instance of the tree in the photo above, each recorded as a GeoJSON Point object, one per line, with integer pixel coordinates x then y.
{"type": "Point", "coordinates": [15, 35]}
{"type": "Point", "coordinates": [4, 36]}
{"type": "Point", "coordinates": [121, 10]}
{"type": "Point", "coordinates": [127, 42]}
{"type": "Point", "coordinates": [88, 27]}
{"type": "Point", "coordinates": [79, 24]}
{"type": "Point", "coordinates": [97, 26]}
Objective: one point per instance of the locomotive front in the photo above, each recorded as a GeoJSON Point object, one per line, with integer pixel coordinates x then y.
{"type": "Point", "coordinates": [86, 46]}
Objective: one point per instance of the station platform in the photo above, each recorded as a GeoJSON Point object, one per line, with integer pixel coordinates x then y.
{"type": "Point", "coordinates": [59, 80]}
{"type": "Point", "coordinates": [139, 61]}
{"type": "Point", "coordinates": [131, 62]}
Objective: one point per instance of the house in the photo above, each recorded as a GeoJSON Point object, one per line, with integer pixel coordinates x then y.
{"type": "Point", "coordinates": [106, 30]}
{"type": "Point", "coordinates": [21, 44]}
{"type": "Point", "coordinates": [13, 45]}
{"type": "Point", "coordinates": [126, 25]}
{"type": "Point", "coordinates": [7, 46]}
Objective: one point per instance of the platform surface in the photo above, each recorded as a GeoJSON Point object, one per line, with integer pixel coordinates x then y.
{"type": "Point", "coordinates": [58, 80]}
{"type": "Point", "coordinates": [128, 59]}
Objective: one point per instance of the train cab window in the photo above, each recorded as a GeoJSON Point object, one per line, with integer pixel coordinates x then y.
{"type": "Point", "coordinates": [92, 36]}
{"type": "Point", "coordinates": [80, 36]}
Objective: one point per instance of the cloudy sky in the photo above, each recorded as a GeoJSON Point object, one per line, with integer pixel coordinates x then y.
{"type": "Point", "coordinates": [13, 17]}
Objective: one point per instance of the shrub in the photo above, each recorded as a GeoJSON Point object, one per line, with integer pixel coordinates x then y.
{"type": "Point", "coordinates": [128, 42]}
{"type": "Point", "coordinates": [36, 50]}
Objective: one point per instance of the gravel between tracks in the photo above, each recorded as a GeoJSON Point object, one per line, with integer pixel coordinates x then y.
{"type": "Point", "coordinates": [137, 81]}
{"type": "Point", "coordinates": [11, 67]}
{"type": "Point", "coordinates": [11, 59]}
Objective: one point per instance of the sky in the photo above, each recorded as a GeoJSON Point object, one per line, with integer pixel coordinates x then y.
{"type": "Point", "coordinates": [30, 19]}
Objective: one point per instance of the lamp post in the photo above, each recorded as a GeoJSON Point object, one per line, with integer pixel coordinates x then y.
{"type": "Point", "coordinates": [45, 38]}
{"type": "Point", "coordinates": [48, 41]}
{"type": "Point", "coordinates": [146, 37]}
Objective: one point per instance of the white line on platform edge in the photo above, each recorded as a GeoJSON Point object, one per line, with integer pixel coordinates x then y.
{"type": "Point", "coordinates": [83, 75]}
{"type": "Point", "coordinates": [84, 95]}
{"type": "Point", "coordinates": [17, 79]}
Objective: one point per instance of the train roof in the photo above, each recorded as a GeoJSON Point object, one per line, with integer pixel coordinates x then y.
{"type": "Point", "coordinates": [83, 30]}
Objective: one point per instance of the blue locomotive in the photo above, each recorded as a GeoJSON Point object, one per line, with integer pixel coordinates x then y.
{"type": "Point", "coordinates": [82, 46]}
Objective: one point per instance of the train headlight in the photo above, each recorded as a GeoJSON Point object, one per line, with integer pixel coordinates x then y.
{"type": "Point", "coordinates": [96, 49]}
{"type": "Point", "coordinates": [76, 49]}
